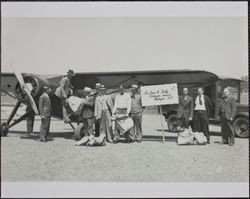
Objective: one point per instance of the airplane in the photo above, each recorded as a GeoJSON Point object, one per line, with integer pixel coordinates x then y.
{"type": "Point", "coordinates": [27, 88]}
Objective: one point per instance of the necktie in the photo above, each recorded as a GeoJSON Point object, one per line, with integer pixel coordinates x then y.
{"type": "Point", "coordinates": [200, 100]}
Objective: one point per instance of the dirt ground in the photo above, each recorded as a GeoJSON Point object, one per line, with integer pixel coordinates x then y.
{"type": "Point", "coordinates": [26, 159]}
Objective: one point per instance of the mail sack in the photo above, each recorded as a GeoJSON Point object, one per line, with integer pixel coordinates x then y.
{"type": "Point", "coordinates": [200, 138]}
{"type": "Point", "coordinates": [185, 138]}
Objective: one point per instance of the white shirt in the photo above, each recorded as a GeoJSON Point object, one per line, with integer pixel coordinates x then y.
{"type": "Point", "coordinates": [122, 101]}
{"type": "Point", "coordinates": [197, 103]}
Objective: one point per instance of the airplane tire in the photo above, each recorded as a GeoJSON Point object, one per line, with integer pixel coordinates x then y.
{"type": "Point", "coordinates": [79, 132]}
{"type": "Point", "coordinates": [4, 129]}
{"type": "Point", "coordinates": [241, 127]}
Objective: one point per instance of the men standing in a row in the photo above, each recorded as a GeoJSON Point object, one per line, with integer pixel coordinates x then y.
{"type": "Point", "coordinates": [63, 92]}
{"type": "Point", "coordinates": [201, 114]}
{"type": "Point", "coordinates": [88, 112]}
{"type": "Point", "coordinates": [227, 113]}
{"type": "Point", "coordinates": [122, 106]}
{"type": "Point", "coordinates": [103, 112]}
{"type": "Point", "coordinates": [185, 110]}
{"type": "Point", "coordinates": [136, 113]}
{"type": "Point", "coordinates": [45, 113]}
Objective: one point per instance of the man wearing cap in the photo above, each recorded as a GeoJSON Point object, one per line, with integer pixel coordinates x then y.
{"type": "Point", "coordinates": [97, 87]}
{"type": "Point", "coordinates": [185, 109]}
{"type": "Point", "coordinates": [88, 111]}
{"type": "Point", "coordinates": [227, 113]}
{"type": "Point", "coordinates": [122, 106]}
{"type": "Point", "coordinates": [45, 113]}
{"type": "Point", "coordinates": [136, 113]}
{"type": "Point", "coordinates": [103, 112]}
{"type": "Point", "coordinates": [63, 92]}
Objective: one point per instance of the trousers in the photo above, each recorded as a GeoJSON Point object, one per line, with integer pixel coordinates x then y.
{"type": "Point", "coordinates": [88, 124]}
{"type": "Point", "coordinates": [45, 126]}
{"type": "Point", "coordinates": [227, 130]}
{"type": "Point", "coordinates": [136, 130]}
{"type": "Point", "coordinates": [201, 123]}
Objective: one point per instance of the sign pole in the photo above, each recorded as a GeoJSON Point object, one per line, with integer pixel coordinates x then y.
{"type": "Point", "coordinates": [162, 126]}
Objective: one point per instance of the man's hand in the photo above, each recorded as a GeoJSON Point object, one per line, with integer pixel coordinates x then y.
{"type": "Point", "coordinates": [190, 118]}
{"type": "Point", "coordinates": [231, 119]}
{"type": "Point", "coordinates": [42, 116]}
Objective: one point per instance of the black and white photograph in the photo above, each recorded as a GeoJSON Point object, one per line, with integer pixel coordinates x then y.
{"type": "Point", "coordinates": [124, 99]}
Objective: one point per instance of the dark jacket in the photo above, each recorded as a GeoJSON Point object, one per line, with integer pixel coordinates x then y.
{"type": "Point", "coordinates": [44, 105]}
{"type": "Point", "coordinates": [230, 107]}
{"type": "Point", "coordinates": [88, 107]}
{"type": "Point", "coordinates": [186, 107]}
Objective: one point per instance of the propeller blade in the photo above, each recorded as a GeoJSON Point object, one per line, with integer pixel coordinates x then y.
{"type": "Point", "coordinates": [31, 100]}
{"type": "Point", "coordinates": [25, 88]}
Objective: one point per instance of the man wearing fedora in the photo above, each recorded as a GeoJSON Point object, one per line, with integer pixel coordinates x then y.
{"type": "Point", "coordinates": [136, 113]}
{"type": "Point", "coordinates": [227, 113]}
{"type": "Point", "coordinates": [45, 113]}
{"type": "Point", "coordinates": [88, 112]}
{"type": "Point", "coordinates": [63, 92]}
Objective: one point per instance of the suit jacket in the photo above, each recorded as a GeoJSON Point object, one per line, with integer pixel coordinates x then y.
{"type": "Point", "coordinates": [44, 105]}
{"type": "Point", "coordinates": [208, 104]}
{"type": "Point", "coordinates": [88, 107]}
{"type": "Point", "coordinates": [186, 107]}
{"type": "Point", "coordinates": [63, 90]}
{"type": "Point", "coordinates": [99, 105]}
{"type": "Point", "coordinates": [230, 107]}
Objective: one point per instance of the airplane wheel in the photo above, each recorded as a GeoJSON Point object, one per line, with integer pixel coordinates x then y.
{"type": "Point", "coordinates": [79, 132]}
{"type": "Point", "coordinates": [241, 127]}
{"type": "Point", "coordinates": [172, 123]}
{"type": "Point", "coordinates": [4, 129]}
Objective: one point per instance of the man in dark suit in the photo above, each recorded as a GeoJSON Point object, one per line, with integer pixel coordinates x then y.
{"type": "Point", "coordinates": [201, 114]}
{"type": "Point", "coordinates": [227, 113]}
{"type": "Point", "coordinates": [88, 114]}
{"type": "Point", "coordinates": [45, 113]}
{"type": "Point", "coordinates": [185, 110]}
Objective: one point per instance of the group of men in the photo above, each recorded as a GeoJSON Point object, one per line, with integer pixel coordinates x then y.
{"type": "Point", "coordinates": [103, 117]}
{"type": "Point", "coordinates": [195, 113]}
{"type": "Point", "coordinates": [100, 115]}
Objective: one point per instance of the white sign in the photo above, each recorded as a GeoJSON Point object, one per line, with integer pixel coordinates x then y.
{"type": "Point", "coordinates": [159, 94]}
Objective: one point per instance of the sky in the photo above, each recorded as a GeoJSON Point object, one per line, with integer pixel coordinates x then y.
{"type": "Point", "coordinates": [52, 45]}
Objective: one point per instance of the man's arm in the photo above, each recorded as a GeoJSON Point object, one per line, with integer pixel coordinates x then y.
{"type": "Point", "coordinates": [233, 107]}
{"type": "Point", "coordinates": [129, 104]}
{"type": "Point", "coordinates": [41, 102]}
{"type": "Point", "coordinates": [115, 105]}
{"type": "Point", "coordinates": [191, 107]}
{"type": "Point", "coordinates": [96, 107]}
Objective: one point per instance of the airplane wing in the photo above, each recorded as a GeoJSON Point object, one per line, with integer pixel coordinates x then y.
{"type": "Point", "coordinates": [113, 79]}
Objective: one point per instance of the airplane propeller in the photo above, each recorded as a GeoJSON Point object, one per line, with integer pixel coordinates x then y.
{"type": "Point", "coordinates": [25, 88]}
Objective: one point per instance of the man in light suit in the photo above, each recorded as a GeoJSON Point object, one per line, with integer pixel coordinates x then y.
{"type": "Point", "coordinates": [45, 113]}
{"type": "Point", "coordinates": [227, 113]}
{"type": "Point", "coordinates": [103, 112]}
{"type": "Point", "coordinates": [88, 112]}
{"type": "Point", "coordinates": [63, 92]}
{"type": "Point", "coordinates": [185, 110]}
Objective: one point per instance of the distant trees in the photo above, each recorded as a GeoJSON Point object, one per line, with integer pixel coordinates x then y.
{"type": "Point", "coordinates": [244, 84]}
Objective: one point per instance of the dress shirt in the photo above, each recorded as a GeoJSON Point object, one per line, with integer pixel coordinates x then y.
{"type": "Point", "coordinates": [199, 106]}
{"type": "Point", "coordinates": [122, 101]}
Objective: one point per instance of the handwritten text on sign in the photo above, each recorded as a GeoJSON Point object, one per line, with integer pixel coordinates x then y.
{"type": "Point", "coordinates": [159, 94]}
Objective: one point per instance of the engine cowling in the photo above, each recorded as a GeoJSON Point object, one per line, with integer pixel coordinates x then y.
{"type": "Point", "coordinates": [34, 83]}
